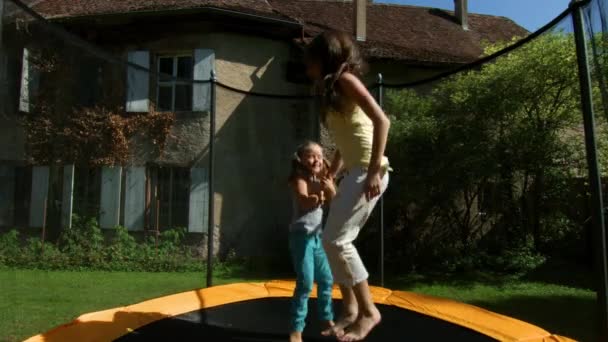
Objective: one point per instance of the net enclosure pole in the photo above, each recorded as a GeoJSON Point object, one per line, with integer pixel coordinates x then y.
{"type": "Point", "coordinates": [381, 204]}
{"type": "Point", "coordinates": [595, 183]}
{"type": "Point", "coordinates": [211, 215]}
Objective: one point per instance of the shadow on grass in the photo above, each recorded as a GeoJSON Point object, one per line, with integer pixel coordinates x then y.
{"type": "Point", "coordinates": [248, 272]}
{"type": "Point", "coordinates": [564, 274]}
{"type": "Point", "coordinates": [567, 316]}
{"type": "Point", "coordinates": [456, 280]}
{"type": "Point", "coordinates": [553, 272]}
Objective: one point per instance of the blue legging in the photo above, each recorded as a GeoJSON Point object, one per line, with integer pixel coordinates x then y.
{"type": "Point", "coordinates": [310, 263]}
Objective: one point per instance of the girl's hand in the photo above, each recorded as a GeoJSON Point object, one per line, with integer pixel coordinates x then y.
{"type": "Point", "coordinates": [372, 186]}
{"type": "Point", "coordinates": [328, 184]}
{"type": "Point", "coordinates": [316, 199]}
{"type": "Point", "coordinates": [329, 187]}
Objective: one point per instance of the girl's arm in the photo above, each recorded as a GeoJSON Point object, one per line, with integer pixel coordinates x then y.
{"type": "Point", "coordinates": [354, 89]}
{"type": "Point", "coordinates": [305, 200]}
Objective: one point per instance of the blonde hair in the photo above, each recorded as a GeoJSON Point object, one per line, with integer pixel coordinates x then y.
{"type": "Point", "coordinates": [298, 170]}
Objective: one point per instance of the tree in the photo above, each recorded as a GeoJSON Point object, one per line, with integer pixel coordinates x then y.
{"type": "Point", "coordinates": [489, 152]}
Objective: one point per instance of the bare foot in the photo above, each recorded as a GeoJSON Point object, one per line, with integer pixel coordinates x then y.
{"type": "Point", "coordinates": [295, 336]}
{"type": "Point", "coordinates": [362, 327]}
{"type": "Point", "coordinates": [337, 329]}
{"type": "Point", "coordinates": [326, 325]}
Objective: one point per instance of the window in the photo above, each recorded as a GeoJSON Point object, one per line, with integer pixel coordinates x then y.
{"type": "Point", "coordinates": [171, 194]}
{"type": "Point", "coordinates": [172, 95]}
{"type": "Point", "coordinates": [87, 192]}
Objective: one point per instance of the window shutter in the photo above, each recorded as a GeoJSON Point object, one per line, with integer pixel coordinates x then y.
{"type": "Point", "coordinates": [29, 82]}
{"type": "Point", "coordinates": [138, 82]}
{"type": "Point", "coordinates": [204, 62]}
{"type": "Point", "coordinates": [109, 215]}
{"type": "Point", "coordinates": [40, 192]}
{"type": "Point", "coordinates": [67, 202]}
{"type": "Point", "coordinates": [7, 195]}
{"type": "Point", "coordinates": [198, 213]}
{"type": "Point", "coordinates": [135, 197]}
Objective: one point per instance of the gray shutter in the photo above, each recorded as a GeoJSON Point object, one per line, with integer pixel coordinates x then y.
{"type": "Point", "coordinates": [138, 82]}
{"type": "Point", "coordinates": [198, 211]}
{"type": "Point", "coordinates": [4, 84]}
{"type": "Point", "coordinates": [67, 199]}
{"type": "Point", "coordinates": [135, 198]}
{"type": "Point", "coordinates": [109, 216]}
{"type": "Point", "coordinates": [29, 83]}
{"type": "Point", "coordinates": [204, 60]}
{"type": "Point", "coordinates": [7, 195]}
{"type": "Point", "coordinates": [40, 193]}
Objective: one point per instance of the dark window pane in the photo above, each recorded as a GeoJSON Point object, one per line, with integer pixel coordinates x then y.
{"type": "Point", "coordinates": [183, 97]}
{"type": "Point", "coordinates": [164, 193]}
{"type": "Point", "coordinates": [165, 65]}
{"type": "Point", "coordinates": [184, 67]}
{"type": "Point", "coordinates": [173, 196]}
{"type": "Point", "coordinates": [87, 191]}
{"type": "Point", "coordinates": [181, 196]}
{"type": "Point", "coordinates": [165, 98]}
{"type": "Point", "coordinates": [23, 189]}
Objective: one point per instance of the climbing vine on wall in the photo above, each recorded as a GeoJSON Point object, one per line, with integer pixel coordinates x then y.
{"type": "Point", "coordinates": [93, 136]}
{"type": "Point", "coordinates": [61, 129]}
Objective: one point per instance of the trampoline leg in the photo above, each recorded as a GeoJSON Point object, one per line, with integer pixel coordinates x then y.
{"type": "Point", "coordinates": [594, 174]}
{"type": "Point", "coordinates": [211, 215]}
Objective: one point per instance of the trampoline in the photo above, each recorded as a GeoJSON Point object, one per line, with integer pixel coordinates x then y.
{"type": "Point", "coordinates": [259, 312]}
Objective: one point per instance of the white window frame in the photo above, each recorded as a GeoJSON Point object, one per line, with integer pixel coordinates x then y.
{"type": "Point", "coordinates": [173, 83]}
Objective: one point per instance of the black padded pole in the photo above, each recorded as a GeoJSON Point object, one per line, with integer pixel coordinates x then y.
{"type": "Point", "coordinates": [595, 183]}
{"type": "Point", "coordinates": [381, 202]}
{"type": "Point", "coordinates": [211, 215]}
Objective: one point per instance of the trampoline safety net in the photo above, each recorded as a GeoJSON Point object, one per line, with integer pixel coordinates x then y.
{"type": "Point", "coordinates": [124, 142]}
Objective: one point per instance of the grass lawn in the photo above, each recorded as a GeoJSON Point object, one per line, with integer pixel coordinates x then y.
{"type": "Point", "coordinates": [35, 301]}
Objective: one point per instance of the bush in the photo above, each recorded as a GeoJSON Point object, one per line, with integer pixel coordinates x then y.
{"type": "Point", "coordinates": [84, 244]}
{"type": "Point", "coordinates": [122, 252]}
{"type": "Point", "coordinates": [483, 180]}
{"type": "Point", "coordinates": [84, 247]}
{"type": "Point", "coordinates": [9, 247]}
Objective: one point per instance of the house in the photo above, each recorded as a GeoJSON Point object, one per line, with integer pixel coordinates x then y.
{"type": "Point", "coordinates": [253, 45]}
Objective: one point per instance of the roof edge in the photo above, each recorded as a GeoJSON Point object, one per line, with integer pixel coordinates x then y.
{"type": "Point", "coordinates": [194, 10]}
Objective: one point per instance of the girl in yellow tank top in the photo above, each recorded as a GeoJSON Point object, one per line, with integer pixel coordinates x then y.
{"type": "Point", "coordinates": [359, 129]}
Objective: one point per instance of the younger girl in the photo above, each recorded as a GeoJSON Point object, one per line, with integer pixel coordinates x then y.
{"type": "Point", "coordinates": [359, 128]}
{"type": "Point", "coordinates": [311, 189]}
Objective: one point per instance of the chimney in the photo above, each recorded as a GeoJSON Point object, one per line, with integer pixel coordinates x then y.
{"type": "Point", "coordinates": [462, 15]}
{"type": "Point", "coordinates": [360, 19]}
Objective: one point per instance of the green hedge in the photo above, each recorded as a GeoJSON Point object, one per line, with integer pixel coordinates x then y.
{"type": "Point", "coordinates": [84, 247]}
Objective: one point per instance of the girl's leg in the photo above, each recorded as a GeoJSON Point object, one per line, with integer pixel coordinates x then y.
{"type": "Point", "coordinates": [325, 283]}
{"type": "Point", "coordinates": [350, 312]}
{"type": "Point", "coordinates": [337, 241]}
{"type": "Point", "coordinates": [349, 212]}
{"type": "Point", "coordinates": [369, 316]}
{"type": "Point", "coordinates": [303, 260]}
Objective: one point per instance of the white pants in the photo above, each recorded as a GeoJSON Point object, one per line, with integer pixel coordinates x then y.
{"type": "Point", "coordinates": [348, 212]}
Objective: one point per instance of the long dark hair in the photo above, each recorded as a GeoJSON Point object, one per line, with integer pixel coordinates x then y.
{"type": "Point", "coordinates": [298, 170]}
{"type": "Point", "coordinates": [335, 52]}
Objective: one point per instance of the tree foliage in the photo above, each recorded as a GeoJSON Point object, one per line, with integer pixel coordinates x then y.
{"type": "Point", "coordinates": [488, 158]}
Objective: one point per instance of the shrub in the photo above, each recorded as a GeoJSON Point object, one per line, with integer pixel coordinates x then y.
{"type": "Point", "coordinates": [9, 247]}
{"type": "Point", "coordinates": [84, 247]}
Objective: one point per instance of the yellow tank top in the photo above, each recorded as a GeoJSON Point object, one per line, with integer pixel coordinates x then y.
{"type": "Point", "coordinates": [353, 135]}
